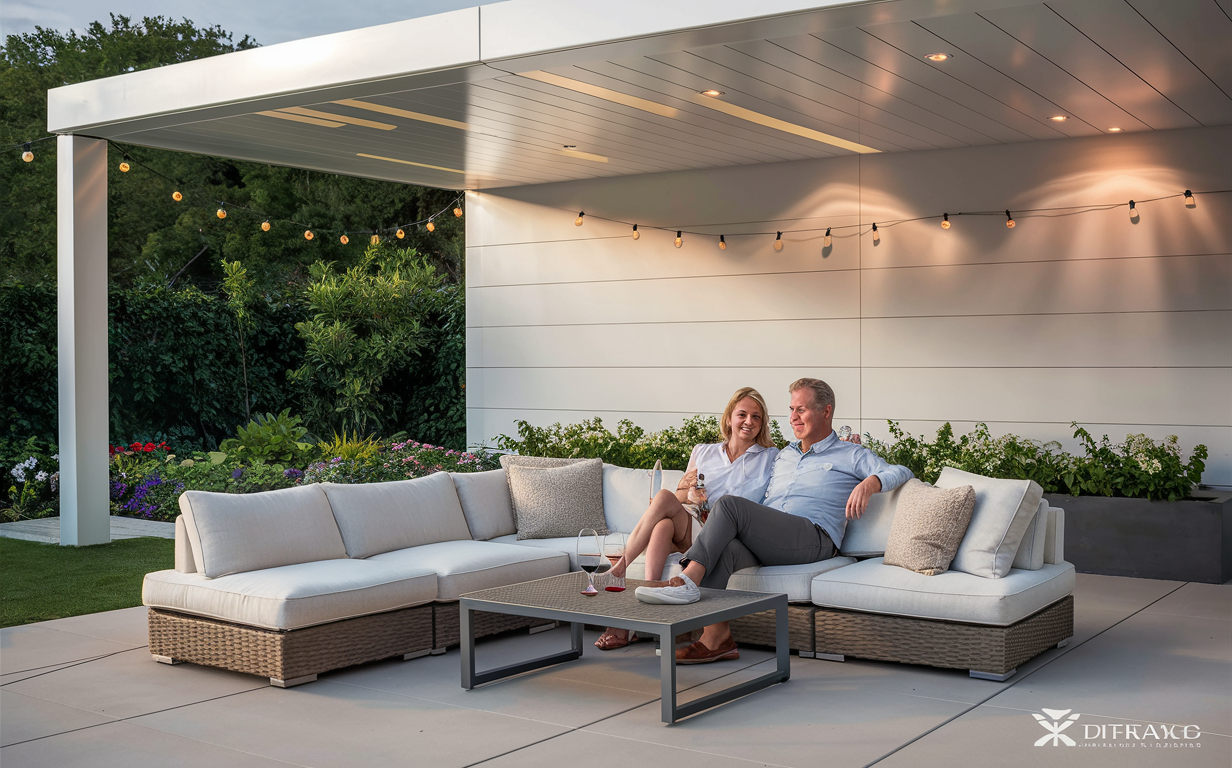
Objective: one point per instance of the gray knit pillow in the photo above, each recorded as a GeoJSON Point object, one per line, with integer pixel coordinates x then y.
{"type": "Point", "coordinates": [929, 524]}
{"type": "Point", "coordinates": [557, 502]}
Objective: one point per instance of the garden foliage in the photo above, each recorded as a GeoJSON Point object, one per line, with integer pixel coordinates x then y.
{"type": "Point", "coordinates": [270, 438]}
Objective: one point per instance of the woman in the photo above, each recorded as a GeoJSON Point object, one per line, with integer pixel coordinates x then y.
{"type": "Point", "coordinates": [740, 466]}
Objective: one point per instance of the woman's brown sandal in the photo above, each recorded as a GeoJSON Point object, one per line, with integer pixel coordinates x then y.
{"type": "Point", "coordinates": [608, 641]}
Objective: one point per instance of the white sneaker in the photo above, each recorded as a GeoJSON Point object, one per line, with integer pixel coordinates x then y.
{"type": "Point", "coordinates": [682, 595]}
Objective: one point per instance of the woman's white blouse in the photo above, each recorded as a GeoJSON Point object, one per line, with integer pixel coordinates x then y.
{"type": "Point", "coordinates": [747, 476]}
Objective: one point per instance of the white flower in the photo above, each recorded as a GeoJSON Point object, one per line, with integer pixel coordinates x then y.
{"type": "Point", "coordinates": [55, 457]}
{"type": "Point", "coordinates": [18, 472]}
{"type": "Point", "coordinates": [41, 476]}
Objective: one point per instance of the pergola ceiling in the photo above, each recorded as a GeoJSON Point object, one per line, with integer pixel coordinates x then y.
{"type": "Point", "coordinates": [807, 84]}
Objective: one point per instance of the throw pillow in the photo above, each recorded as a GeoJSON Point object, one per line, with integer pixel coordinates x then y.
{"type": "Point", "coordinates": [557, 502]}
{"type": "Point", "coordinates": [928, 526]}
{"type": "Point", "coordinates": [1003, 510]}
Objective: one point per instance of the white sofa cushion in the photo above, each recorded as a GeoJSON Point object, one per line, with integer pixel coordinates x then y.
{"type": "Point", "coordinates": [466, 566]}
{"type": "Point", "coordinates": [381, 517]}
{"type": "Point", "coordinates": [867, 535]}
{"type": "Point", "coordinates": [1030, 555]}
{"type": "Point", "coordinates": [873, 587]}
{"type": "Point", "coordinates": [1003, 510]}
{"type": "Point", "coordinates": [1054, 537]}
{"type": "Point", "coordinates": [795, 580]}
{"type": "Point", "coordinates": [486, 503]}
{"type": "Point", "coordinates": [626, 494]}
{"type": "Point", "coordinates": [236, 532]}
{"type": "Point", "coordinates": [566, 545]}
{"type": "Point", "coordinates": [292, 596]}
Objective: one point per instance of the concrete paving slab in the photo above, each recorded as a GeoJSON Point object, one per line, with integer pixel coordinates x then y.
{"type": "Point", "coordinates": [127, 625]}
{"type": "Point", "coordinates": [23, 718]}
{"type": "Point", "coordinates": [329, 725]}
{"type": "Point", "coordinates": [132, 683]}
{"type": "Point", "coordinates": [32, 645]}
{"type": "Point", "coordinates": [587, 747]}
{"type": "Point", "coordinates": [47, 530]}
{"type": "Point", "coordinates": [15, 676]}
{"type": "Point", "coordinates": [1206, 601]}
{"type": "Point", "coordinates": [125, 745]}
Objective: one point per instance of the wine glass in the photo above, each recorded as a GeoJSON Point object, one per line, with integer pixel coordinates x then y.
{"type": "Point", "coordinates": [613, 550]}
{"type": "Point", "coordinates": [590, 557]}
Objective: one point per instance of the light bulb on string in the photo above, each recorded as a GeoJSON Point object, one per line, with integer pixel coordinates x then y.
{"type": "Point", "coordinates": [221, 212]}
{"type": "Point", "coordinates": [26, 153]}
{"type": "Point", "coordinates": [344, 239]}
{"type": "Point", "coordinates": [265, 226]}
{"type": "Point", "coordinates": [400, 234]}
{"type": "Point", "coordinates": [876, 234]}
{"type": "Point", "coordinates": [375, 239]}
{"type": "Point", "coordinates": [124, 166]}
{"type": "Point", "coordinates": [431, 226]}
{"type": "Point", "coordinates": [176, 196]}
{"type": "Point", "coordinates": [679, 240]}
{"type": "Point", "coordinates": [1133, 211]}
{"type": "Point", "coordinates": [722, 243]}
{"type": "Point", "coordinates": [778, 241]}
{"type": "Point", "coordinates": [1189, 199]}
{"type": "Point", "coordinates": [308, 234]}
{"type": "Point", "coordinates": [827, 240]}
{"type": "Point", "coordinates": [578, 221]}
{"type": "Point", "coordinates": [457, 212]}
{"type": "Point", "coordinates": [636, 234]}
{"type": "Point", "coordinates": [945, 221]}
{"type": "Point", "coordinates": [1009, 221]}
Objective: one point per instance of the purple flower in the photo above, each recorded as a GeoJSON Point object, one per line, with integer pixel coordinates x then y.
{"type": "Point", "coordinates": [238, 473]}
{"type": "Point", "coordinates": [292, 473]}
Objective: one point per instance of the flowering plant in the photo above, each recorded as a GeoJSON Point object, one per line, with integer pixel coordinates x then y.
{"type": "Point", "coordinates": [27, 495]}
{"type": "Point", "coordinates": [399, 461]}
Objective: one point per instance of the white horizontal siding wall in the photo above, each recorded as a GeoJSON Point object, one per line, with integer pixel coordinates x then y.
{"type": "Point", "coordinates": [1121, 326]}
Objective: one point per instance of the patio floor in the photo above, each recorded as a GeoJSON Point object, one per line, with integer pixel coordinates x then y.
{"type": "Point", "coordinates": [84, 691]}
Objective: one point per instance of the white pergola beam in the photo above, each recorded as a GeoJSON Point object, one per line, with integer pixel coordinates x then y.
{"type": "Point", "coordinates": [81, 284]}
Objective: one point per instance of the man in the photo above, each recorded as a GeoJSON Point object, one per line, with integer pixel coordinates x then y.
{"type": "Point", "coordinates": [817, 485]}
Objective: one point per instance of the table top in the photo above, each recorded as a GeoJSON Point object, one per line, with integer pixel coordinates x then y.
{"type": "Point", "coordinates": [563, 593]}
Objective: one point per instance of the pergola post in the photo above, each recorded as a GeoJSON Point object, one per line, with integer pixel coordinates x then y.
{"type": "Point", "coordinates": [85, 516]}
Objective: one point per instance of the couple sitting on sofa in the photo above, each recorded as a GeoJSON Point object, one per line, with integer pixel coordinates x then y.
{"type": "Point", "coordinates": [769, 507]}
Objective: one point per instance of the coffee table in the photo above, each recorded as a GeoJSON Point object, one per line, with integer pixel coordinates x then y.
{"type": "Point", "coordinates": [559, 598]}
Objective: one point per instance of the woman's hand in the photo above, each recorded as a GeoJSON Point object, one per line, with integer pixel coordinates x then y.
{"type": "Point", "coordinates": [688, 481]}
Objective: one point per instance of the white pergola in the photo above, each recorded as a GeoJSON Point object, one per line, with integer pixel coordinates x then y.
{"type": "Point", "coordinates": [537, 91]}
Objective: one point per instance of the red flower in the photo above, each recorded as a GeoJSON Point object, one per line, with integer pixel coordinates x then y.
{"type": "Point", "coordinates": [135, 447]}
{"type": "Point", "coordinates": [149, 447]}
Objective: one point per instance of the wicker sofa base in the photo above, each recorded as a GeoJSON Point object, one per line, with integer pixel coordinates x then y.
{"type": "Point", "coordinates": [758, 628]}
{"type": "Point", "coordinates": [987, 650]}
{"type": "Point", "coordinates": [288, 656]}
{"type": "Point", "coordinates": [448, 624]}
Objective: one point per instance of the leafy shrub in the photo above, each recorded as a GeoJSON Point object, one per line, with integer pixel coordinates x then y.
{"type": "Point", "coordinates": [349, 446]}
{"type": "Point", "coordinates": [1137, 468]}
{"type": "Point", "coordinates": [270, 438]}
{"type": "Point", "coordinates": [631, 446]}
{"type": "Point", "coordinates": [399, 461]}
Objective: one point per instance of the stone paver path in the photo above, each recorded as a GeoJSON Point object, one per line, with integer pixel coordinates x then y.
{"type": "Point", "coordinates": [47, 530]}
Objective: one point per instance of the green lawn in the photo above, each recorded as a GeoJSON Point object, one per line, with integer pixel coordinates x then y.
{"type": "Point", "coordinates": [39, 582]}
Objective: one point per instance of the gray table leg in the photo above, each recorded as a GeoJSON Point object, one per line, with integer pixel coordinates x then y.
{"type": "Point", "coordinates": [667, 675]}
{"type": "Point", "coordinates": [575, 636]}
{"type": "Point", "coordinates": [467, 627]}
{"type": "Point", "coordinates": [782, 644]}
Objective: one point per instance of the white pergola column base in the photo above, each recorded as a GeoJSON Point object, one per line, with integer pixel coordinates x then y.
{"type": "Point", "coordinates": [85, 515]}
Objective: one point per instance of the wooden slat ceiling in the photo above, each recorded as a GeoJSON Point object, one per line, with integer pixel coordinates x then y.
{"type": "Point", "coordinates": [1132, 65]}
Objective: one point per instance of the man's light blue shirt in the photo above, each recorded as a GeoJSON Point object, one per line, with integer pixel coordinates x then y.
{"type": "Point", "coordinates": [816, 483]}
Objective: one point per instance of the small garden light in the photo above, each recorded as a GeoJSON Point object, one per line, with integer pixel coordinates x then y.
{"type": "Point", "coordinates": [778, 241]}
{"type": "Point", "coordinates": [27, 154]}
{"type": "Point", "coordinates": [827, 240]}
{"type": "Point", "coordinates": [176, 196]}
{"type": "Point", "coordinates": [636, 234]}
{"type": "Point", "coordinates": [945, 221]}
{"type": "Point", "coordinates": [1009, 221]}
{"type": "Point", "coordinates": [722, 243]}
{"type": "Point", "coordinates": [679, 240]}
{"type": "Point", "coordinates": [400, 234]}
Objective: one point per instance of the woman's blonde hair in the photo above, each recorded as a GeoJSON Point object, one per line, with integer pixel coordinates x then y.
{"type": "Point", "coordinates": [763, 436]}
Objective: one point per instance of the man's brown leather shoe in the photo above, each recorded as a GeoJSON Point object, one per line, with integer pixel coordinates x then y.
{"type": "Point", "coordinates": [698, 653]}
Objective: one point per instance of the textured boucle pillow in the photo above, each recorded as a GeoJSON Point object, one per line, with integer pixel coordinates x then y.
{"type": "Point", "coordinates": [929, 524]}
{"type": "Point", "coordinates": [555, 502]}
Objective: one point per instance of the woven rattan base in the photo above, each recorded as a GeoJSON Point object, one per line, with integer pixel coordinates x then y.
{"type": "Point", "coordinates": [288, 655]}
{"type": "Point", "coordinates": [758, 628]}
{"type": "Point", "coordinates": [977, 647]}
{"type": "Point", "coordinates": [449, 625]}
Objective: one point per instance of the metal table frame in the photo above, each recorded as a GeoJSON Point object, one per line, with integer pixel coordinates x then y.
{"type": "Point", "coordinates": [666, 632]}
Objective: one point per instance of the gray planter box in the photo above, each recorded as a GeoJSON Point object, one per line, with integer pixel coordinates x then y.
{"type": "Point", "coordinates": [1175, 540]}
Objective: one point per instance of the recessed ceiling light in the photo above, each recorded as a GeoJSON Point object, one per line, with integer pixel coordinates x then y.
{"type": "Point", "coordinates": [1114, 130]}
{"type": "Point", "coordinates": [711, 92]}
{"type": "Point", "coordinates": [936, 56]}
{"type": "Point", "coordinates": [1058, 118]}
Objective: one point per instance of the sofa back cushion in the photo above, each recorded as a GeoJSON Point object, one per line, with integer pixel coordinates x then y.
{"type": "Point", "coordinates": [929, 524]}
{"type": "Point", "coordinates": [238, 532]}
{"type": "Point", "coordinates": [867, 535]}
{"type": "Point", "coordinates": [1003, 510]}
{"type": "Point", "coordinates": [382, 517]}
{"type": "Point", "coordinates": [551, 502]}
{"type": "Point", "coordinates": [1030, 555]}
{"type": "Point", "coordinates": [486, 503]}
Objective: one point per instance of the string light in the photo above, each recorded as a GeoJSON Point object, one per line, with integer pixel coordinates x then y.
{"type": "Point", "coordinates": [1189, 199]}
{"type": "Point", "coordinates": [221, 213]}
{"type": "Point", "coordinates": [679, 239]}
{"type": "Point", "coordinates": [1133, 211]}
{"type": "Point", "coordinates": [457, 212]}
{"type": "Point", "coordinates": [1009, 221]}
{"type": "Point", "coordinates": [124, 166]}
{"type": "Point", "coordinates": [778, 242]}
{"type": "Point", "coordinates": [826, 241]}
{"type": "Point", "coordinates": [636, 234]}
{"type": "Point", "coordinates": [375, 240]}
{"type": "Point", "coordinates": [431, 226]}
{"type": "Point", "coordinates": [344, 239]}
{"type": "Point", "coordinates": [400, 234]}
{"type": "Point", "coordinates": [945, 221]}
{"type": "Point", "coordinates": [578, 221]}
{"type": "Point", "coordinates": [722, 243]}
{"type": "Point", "coordinates": [27, 154]}
{"type": "Point", "coordinates": [876, 234]}
{"type": "Point", "coordinates": [176, 196]}
{"type": "Point", "coordinates": [265, 226]}
{"type": "Point", "coordinates": [308, 234]}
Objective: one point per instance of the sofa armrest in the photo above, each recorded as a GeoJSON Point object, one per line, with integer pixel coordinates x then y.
{"type": "Point", "coordinates": [1054, 538]}
{"type": "Point", "coordinates": [184, 562]}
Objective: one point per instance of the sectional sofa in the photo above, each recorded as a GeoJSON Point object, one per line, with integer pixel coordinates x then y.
{"type": "Point", "coordinates": [292, 583]}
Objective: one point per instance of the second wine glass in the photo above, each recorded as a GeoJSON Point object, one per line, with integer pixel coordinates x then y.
{"type": "Point", "coordinates": [613, 550]}
{"type": "Point", "coordinates": [589, 557]}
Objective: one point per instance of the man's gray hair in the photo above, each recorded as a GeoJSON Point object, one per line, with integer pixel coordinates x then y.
{"type": "Point", "coordinates": [822, 394]}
